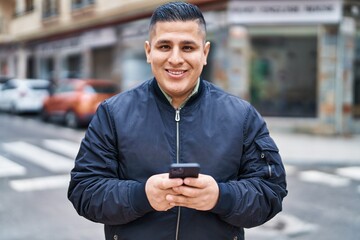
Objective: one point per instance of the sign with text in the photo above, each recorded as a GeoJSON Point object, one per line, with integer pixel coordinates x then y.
{"type": "Point", "coordinates": [292, 11]}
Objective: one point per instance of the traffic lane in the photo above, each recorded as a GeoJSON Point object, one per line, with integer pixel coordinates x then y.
{"type": "Point", "coordinates": [329, 212]}
{"type": "Point", "coordinates": [14, 127]}
{"type": "Point", "coordinates": [43, 215]}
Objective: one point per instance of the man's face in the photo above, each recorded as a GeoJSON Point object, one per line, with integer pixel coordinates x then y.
{"type": "Point", "coordinates": [177, 53]}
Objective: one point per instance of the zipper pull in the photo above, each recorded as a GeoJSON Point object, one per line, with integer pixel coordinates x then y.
{"type": "Point", "coordinates": [177, 115]}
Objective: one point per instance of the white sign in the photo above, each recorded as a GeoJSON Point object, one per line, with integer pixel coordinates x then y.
{"type": "Point", "coordinates": [91, 39]}
{"type": "Point", "coordinates": [100, 37]}
{"type": "Point", "coordinates": [290, 11]}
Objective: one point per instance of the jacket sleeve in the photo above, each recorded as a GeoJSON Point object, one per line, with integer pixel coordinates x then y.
{"type": "Point", "coordinates": [95, 189]}
{"type": "Point", "coordinates": [257, 195]}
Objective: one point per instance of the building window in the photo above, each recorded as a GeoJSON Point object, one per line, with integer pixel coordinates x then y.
{"type": "Point", "coordinates": [23, 7]}
{"type": "Point", "coordinates": [29, 5]}
{"type": "Point", "coordinates": [283, 76]}
{"type": "Point", "coordinates": [78, 4]}
{"type": "Point", "coordinates": [50, 8]}
{"type": "Point", "coordinates": [356, 94]}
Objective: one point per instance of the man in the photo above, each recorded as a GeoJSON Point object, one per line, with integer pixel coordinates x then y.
{"type": "Point", "coordinates": [121, 175]}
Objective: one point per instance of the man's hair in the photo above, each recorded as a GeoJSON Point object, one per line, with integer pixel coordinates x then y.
{"type": "Point", "coordinates": [177, 11]}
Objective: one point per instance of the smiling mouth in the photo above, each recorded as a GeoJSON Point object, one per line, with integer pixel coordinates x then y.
{"type": "Point", "coordinates": [176, 72]}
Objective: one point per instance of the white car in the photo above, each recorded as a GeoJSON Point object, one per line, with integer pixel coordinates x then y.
{"type": "Point", "coordinates": [23, 95]}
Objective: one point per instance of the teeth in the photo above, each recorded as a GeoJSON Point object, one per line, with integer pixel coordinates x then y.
{"type": "Point", "coordinates": [176, 72]}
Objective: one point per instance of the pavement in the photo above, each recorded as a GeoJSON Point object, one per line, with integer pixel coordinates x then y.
{"type": "Point", "coordinates": [305, 149]}
{"type": "Point", "coordinates": [301, 148]}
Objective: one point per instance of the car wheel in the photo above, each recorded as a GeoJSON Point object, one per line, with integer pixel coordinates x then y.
{"type": "Point", "coordinates": [13, 109]}
{"type": "Point", "coordinates": [44, 115]}
{"type": "Point", "coordinates": [71, 120]}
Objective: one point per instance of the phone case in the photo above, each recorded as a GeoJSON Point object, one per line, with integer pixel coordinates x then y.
{"type": "Point", "coordinates": [184, 170]}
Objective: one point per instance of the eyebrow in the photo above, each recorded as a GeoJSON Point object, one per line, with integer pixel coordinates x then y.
{"type": "Point", "coordinates": [185, 42]}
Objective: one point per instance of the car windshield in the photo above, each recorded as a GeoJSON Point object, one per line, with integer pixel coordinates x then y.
{"type": "Point", "coordinates": [37, 85]}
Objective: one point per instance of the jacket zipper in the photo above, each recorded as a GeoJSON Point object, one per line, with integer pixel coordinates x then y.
{"type": "Point", "coordinates": [177, 119]}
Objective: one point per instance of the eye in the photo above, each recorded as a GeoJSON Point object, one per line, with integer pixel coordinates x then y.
{"type": "Point", "coordinates": [188, 48]}
{"type": "Point", "coordinates": [164, 47]}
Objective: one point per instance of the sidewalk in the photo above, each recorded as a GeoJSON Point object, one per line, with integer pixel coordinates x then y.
{"type": "Point", "coordinates": [297, 148]}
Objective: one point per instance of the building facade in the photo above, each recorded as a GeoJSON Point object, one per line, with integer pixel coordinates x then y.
{"type": "Point", "coordinates": [296, 61]}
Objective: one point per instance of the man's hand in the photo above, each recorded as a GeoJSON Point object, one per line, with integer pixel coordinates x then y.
{"type": "Point", "coordinates": [200, 193]}
{"type": "Point", "coordinates": [157, 187]}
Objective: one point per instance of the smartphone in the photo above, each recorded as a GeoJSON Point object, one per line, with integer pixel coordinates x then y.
{"type": "Point", "coordinates": [184, 170]}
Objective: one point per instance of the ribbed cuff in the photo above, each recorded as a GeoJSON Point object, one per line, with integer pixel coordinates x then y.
{"type": "Point", "coordinates": [226, 200]}
{"type": "Point", "coordinates": [139, 199]}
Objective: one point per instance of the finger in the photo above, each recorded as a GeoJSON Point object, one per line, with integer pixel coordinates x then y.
{"type": "Point", "coordinates": [175, 199]}
{"type": "Point", "coordinates": [199, 182]}
{"type": "Point", "coordinates": [163, 182]}
{"type": "Point", "coordinates": [171, 183]}
{"type": "Point", "coordinates": [187, 191]}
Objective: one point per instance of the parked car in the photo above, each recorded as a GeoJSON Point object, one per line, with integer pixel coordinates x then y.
{"type": "Point", "coordinates": [4, 79]}
{"type": "Point", "coordinates": [74, 101]}
{"type": "Point", "coordinates": [23, 95]}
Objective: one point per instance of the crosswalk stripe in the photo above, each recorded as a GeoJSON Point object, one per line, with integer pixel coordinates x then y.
{"type": "Point", "coordinates": [68, 148]}
{"type": "Point", "coordinates": [324, 178]}
{"type": "Point", "coordinates": [40, 183]}
{"type": "Point", "coordinates": [36, 155]}
{"type": "Point", "coordinates": [290, 225]}
{"type": "Point", "coordinates": [350, 172]}
{"type": "Point", "coordinates": [8, 168]}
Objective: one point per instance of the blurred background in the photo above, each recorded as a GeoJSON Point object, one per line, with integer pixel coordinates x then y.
{"type": "Point", "coordinates": [296, 61]}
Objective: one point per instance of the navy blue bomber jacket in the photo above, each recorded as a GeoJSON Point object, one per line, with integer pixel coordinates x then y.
{"type": "Point", "coordinates": [135, 135]}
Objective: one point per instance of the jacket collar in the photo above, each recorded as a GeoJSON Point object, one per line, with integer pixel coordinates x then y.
{"type": "Point", "coordinates": [160, 95]}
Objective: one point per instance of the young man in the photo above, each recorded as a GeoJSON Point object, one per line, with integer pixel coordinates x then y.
{"type": "Point", "coordinates": [121, 175]}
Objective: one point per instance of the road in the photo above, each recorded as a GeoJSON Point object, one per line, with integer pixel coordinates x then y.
{"type": "Point", "coordinates": [33, 202]}
{"type": "Point", "coordinates": [36, 157]}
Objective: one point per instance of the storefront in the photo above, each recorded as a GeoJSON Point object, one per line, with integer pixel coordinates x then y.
{"type": "Point", "coordinates": [299, 58]}
{"type": "Point", "coordinates": [283, 72]}
{"type": "Point", "coordinates": [84, 55]}
{"type": "Point", "coordinates": [8, 60]}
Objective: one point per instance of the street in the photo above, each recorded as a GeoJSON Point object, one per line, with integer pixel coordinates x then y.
{"type": "Point", "coordinates": [36, 157]}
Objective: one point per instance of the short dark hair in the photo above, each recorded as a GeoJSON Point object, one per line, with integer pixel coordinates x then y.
{"type": "Point", "coordinates": [177, 11]}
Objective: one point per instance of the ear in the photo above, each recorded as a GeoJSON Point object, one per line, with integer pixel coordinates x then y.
{"type": "Point", "coordinates": [147, 48]}
{"type": "Point", "coordinates": [206, 52]}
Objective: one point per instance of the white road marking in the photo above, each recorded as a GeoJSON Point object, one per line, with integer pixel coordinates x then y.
{"type": "Point", "coordinates": [9, 168]}
{"type": "Point", "coordinates": [291, 225]}
{"type": "Point", "coordinates": [62, 146]}
{"type": "Point", "coordinates": [43, 158]}
{"type": "Point", "coordinates": [350, 172]}
{"type": "Point", "coordinates": [41, 183]}
{"type": "Point", "coordinates": [324, 178]}
{"type": "Point", "coordinates": [295, 226]}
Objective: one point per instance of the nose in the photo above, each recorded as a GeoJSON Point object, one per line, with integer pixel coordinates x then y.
{"type": "Point", "coordinates": [176, 57]}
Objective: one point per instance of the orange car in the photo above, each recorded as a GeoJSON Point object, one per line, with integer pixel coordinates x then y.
{"type": "Point", "coordinates": [74, 101]}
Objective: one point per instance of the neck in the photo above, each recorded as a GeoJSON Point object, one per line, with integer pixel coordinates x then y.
{"type": "Point", "coordinates": [176, 102]}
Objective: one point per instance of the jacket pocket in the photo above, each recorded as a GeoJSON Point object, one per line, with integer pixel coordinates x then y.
{"type": "Point", "coordinates": [268, 153]}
